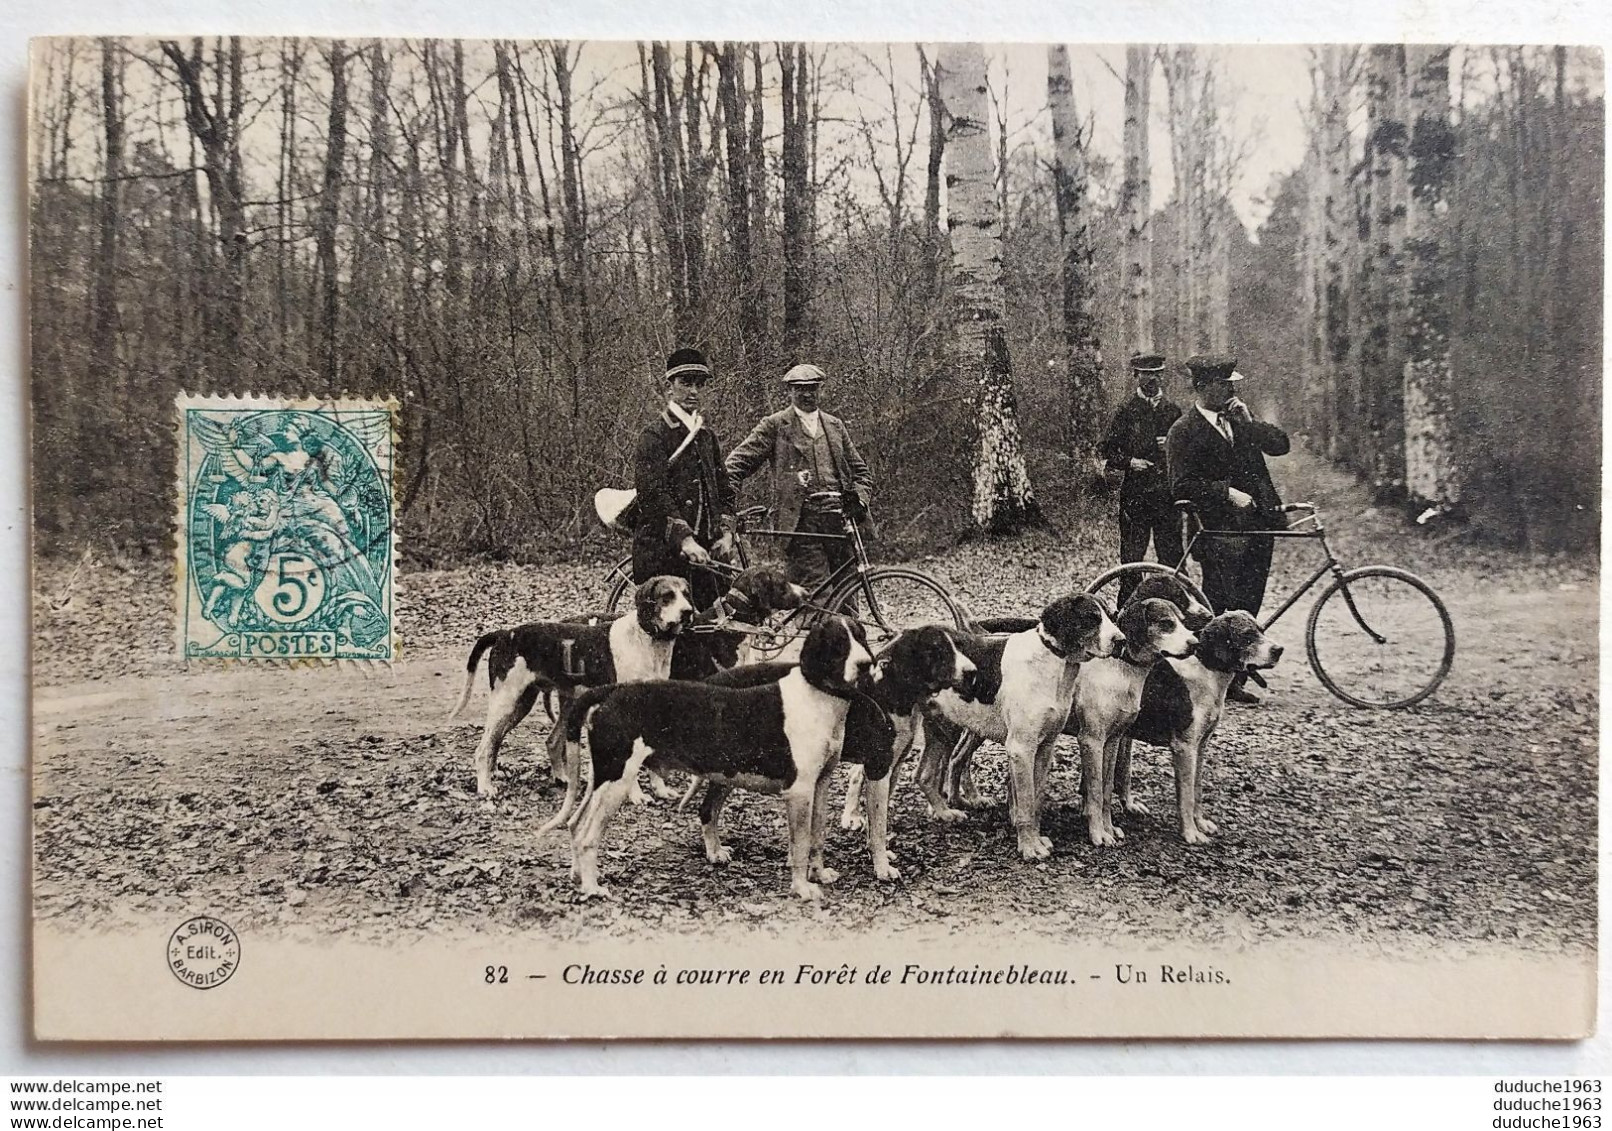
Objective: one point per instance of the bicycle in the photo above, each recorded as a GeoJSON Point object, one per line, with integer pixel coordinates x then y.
{"type": "Point", "coordinates": [1370, 626]}
{"type": "Point", "coordinates": [896, 597]}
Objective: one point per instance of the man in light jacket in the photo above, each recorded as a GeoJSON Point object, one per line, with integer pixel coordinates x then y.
{"type": "Point", "coordinates": [818, 476]}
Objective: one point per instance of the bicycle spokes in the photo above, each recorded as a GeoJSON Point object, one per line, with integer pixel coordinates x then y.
{"type": "Point", "coordinates": [1380, 637]}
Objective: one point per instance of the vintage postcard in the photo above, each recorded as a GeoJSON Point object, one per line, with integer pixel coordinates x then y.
{"type": "Point", "coordinates": [538, 539]}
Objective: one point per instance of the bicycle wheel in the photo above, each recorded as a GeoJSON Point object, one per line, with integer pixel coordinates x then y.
{"type": "Point", "coordinates": [1139, 571]}
{"type": "Point", "coordinates": [623, 575]}
{"type": "Point", "coordinates": [895, 598]}
{"type": "Point", "coordinates": [1380, 637]}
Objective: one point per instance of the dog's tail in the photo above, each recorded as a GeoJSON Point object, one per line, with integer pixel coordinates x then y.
{"type": "Point", "coordinates": [486, 642]}
{"type": "Point", "coordinates": [694, 783]}
{"type": "Point", "coordinates": [574, 722]}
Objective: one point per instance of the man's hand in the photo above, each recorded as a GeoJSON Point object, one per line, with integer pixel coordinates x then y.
{"type": "Point", "coordinates": [694, 552]}
{"type": "Point", "coordinates": [1239, 499]}
{"type": "Point", "coordinates": [1238, 411]}
{"type": "Point", "coordinates": [1141, 464]}
{"type": "Point", "coordinates": [723, 550]}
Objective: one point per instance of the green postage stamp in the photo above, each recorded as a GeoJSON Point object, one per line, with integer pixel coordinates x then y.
{"type": "Point", "coordinates": [286, 524]}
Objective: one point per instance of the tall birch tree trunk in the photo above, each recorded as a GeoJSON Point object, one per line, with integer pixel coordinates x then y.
{"type": "Point", "coordinates": [1003, 500]}
{"type": "Point", "coordinates": [1382, 231]}
{"type": "Point", "coordinates": [1432, 475]}
{"type": "Point", "coordinates": [1181, 79]}
{"type": "Point", "coordinates": [1317, 406]}
{"type": "Point", "coordinates": [1136, 204]}
{"type": "Point", "coordinates": [1082, 350]}
{"type": "Point", "coordinates": [1336, 219]}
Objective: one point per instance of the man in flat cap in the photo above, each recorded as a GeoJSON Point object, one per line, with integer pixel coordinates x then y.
{"type": "Point", "coordinates": [1134, 448]}
{"type": "Point", "coordinates": [1216, 454]}
{"type": "Point", "coordinates": [818, 476]}
{"type": "Point", "coordinates": [684, 510]}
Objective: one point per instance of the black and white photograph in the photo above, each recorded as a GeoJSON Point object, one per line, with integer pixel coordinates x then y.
{"type": "Point", "coordinates": [557, 538]}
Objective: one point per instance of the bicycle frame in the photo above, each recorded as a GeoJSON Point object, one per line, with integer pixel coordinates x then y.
{"type": "Point", "coordinates": [857, 564]}
{"type": "Point", "coordinates": [1330, 566]}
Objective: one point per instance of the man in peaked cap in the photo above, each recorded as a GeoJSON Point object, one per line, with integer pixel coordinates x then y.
{"type": "Point", "coordinates": [684, 510]}
{"type": "Point", "coordinates": [1134, 447]}
{"type": "Point", "coordinates": [818, 476]}
{"type": "Point", "coordinates": [1216, 455]}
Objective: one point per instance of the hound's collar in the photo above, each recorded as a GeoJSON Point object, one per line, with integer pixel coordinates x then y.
{"type": "Point", "coordinates": [1049, 643]}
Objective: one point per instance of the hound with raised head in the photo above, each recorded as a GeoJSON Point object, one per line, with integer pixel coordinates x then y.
{"type": "Point", "coordinates": [1035, 671]}
{"type": "Point", "coordinates": [783, 737]}
{"type": "Point", "coordinates": [712, 642]}
{"type": "Point", "coordinates": [543, 656]}
{"type": "Point", "coordinates": [1182, 702]}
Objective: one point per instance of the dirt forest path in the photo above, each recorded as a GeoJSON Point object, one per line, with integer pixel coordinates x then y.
{"type": "Point", "coordinates": [339, 798]}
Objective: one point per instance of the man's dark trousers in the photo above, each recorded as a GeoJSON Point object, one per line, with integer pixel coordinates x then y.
{"type": "Point", "coordinates": [1142, 517]}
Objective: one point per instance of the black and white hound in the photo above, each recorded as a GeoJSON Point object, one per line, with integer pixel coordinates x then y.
{"type": "Point", "coordinates": [880, 728]}
{"type": "Point", "coordinates": [1108, 695]}
{"type": "Point", "coordinates": [547, 656]}
{"type": "Point", "coordinates": [1034, 676]}
{"type": "Point", "coordinates": [712, 642]}
{"type": "Point", "coordinates": [781, 737]}
{"type": "Point", "coordinates": [945, 774]}
{"type": "Point", "coordinates": [1182, 703]}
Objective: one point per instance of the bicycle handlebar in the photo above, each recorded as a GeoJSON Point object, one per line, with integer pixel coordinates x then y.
{"type": "Point", "coordinates": [1286, 508]}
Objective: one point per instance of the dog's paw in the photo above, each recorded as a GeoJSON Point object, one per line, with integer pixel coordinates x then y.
{"type": "Point", "coordinates": [1033, 846]}
{"type": "Point", "coordinates": [809, 891]}
{"type": "Point", "coordinates": [723, 855]}
{"type": "Point", "coordinates": [635, 796]}
{"type": "Point", "coordinates": [1192, 836]}
{"type": "Point", "coordinates": [1101, 835]}
{"type": "Point", "coordinates": [887, 871]}
{"type": "Point", "coordinates": [1136, 809]}
{"type": "Point", "coordinates": [486, 790]}
{"type": "Point", "coordinates": [597, 891]}
{"type": "Point", "coordinates": [948, 815]}
{"type": "Point", "coordinates": [664, 792]}
{"type": "Point", "coordinates": [1206, 826]}
{"type": "Point", "coordinates": [972, 799]}
{"type": "Point", "coordinates": [823, 874]}
{"type": "Point", "coordinates": [853, 821]}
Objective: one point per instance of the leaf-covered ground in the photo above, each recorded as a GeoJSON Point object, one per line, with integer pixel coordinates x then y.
{"type": "Point", "coordinates": [337, 800]}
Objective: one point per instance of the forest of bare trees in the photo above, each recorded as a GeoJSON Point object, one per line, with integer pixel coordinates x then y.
{"type": "Point", "coordinates": [510, 236]}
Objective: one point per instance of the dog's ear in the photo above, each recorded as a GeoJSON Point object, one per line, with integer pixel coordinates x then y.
{"type": "Point", "coordinates": [645, 593]}
{"type": "Point", "coordinates": [1071, 620]}
{"type": "Point", "coordinates": [936, 660]}
{"type": "Point", "coordinates": [1134, 619]}
{"type": "Point", "coordinates": [1218, 644]}
{"type": "Point", "coordinates": [822, 657]}
{"type": "Point", "coordinates": [1247, 636]}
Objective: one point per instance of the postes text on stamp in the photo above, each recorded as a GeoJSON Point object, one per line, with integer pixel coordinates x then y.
{"type": "Point", "coordinates": [285, 529]}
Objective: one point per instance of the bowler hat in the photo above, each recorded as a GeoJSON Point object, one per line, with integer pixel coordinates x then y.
{"type": "Point", "coordinates": [1212, 367]}
{"type": "Point", "coordinates": [804, 375]}
{"type": "Point", "coordinates": [687, 363]}
{"type": "Point", "coordinates": [1147, 362]}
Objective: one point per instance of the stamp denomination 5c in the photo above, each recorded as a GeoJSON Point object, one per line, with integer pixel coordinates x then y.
{"type": "Point", "coordinates": [285, 529]}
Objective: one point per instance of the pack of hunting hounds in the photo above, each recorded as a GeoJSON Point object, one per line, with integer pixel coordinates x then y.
{"type": "Point", "coordinates": [670, 689]}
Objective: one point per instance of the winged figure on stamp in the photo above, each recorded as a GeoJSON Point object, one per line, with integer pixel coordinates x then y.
{"type": "Point", "coordinates": [293, 486]}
